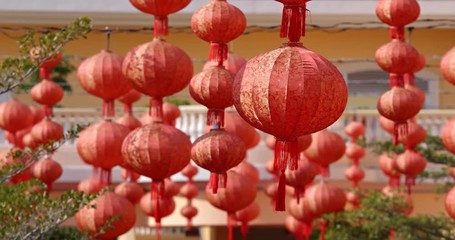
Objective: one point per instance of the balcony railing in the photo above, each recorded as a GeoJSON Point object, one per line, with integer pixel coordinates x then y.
{"type": "Point", "coordinates": [192, 120]}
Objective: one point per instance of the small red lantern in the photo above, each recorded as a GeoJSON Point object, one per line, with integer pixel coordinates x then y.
{"type": "Point", "coordinates": [15, 116]}
{"type": "Point", "coordinates": [246, 215]}
{"type": "Point", "coordinates": [355, 152]}
{"type": "Point", "coordinates": [218, 151]}
{"type": "Point", "coordinates": [397, 57]}
{"type": "Point", "coordinates": [129, 121]}
{"type": "Point", "coordinates": [47, 131]}
{"type": "Point", "coordinates": [416, 134]}
{"type": "Point", "coordinates": [108, 205]}
{"type": "Point", "coordinates": [354, 174]}
{"type": "Point", "coordinates": [157, 207]}
{"type": "Point", "coordinates": [300, 211]}
{"type": "Point", "coordinates": [218, 23]}
{"type": "Point", "coordinates": [324, 198]}
{"type": "Point", "coordinates": [213, 89]}
{"type": "Point", "coordinates": [410, 163]}
{"type": "Point", "coordinates": [47, 93]}
{"type": "Point", "coordinates": [130, 190]}
{"type": "Point", "coordinates": [247, 169]}
{"type": "Point", "coordinates": [90, 186]}
{"type": "Point", "coordinates": [47, 171]}
{"type": "Point", "coordinates": [398, 13]}
{"type": "Point", "coordinates": [236, 125]}
{"type": "Point", "coordinates": [189, 212]}
{"type": "Point", "coordinates": [326, 148]}
{"type": "Point", "coordinates": [355, 130]}
{"type": "Point", "coordinates": [170, 113]}
{"type": "Point", "coordinates": [388, 165]}
{"type": "Point", "coordinates": [304, 175]}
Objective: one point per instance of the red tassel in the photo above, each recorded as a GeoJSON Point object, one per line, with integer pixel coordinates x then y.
{"type": "Point", "coordinates": [392, 235]}
{"type": "Point", "coordinates": [127, 108]}
{"type": "Point", "coordinates": [156, 109]}
{"type": "Point", "coordinates": [397, 33]}
{"type": "Point", "coordinates": [48, 111]}
{"type": "Point", "coordinates": [400, 130]}
{"type": "Point", "coordinates": [230, 227]}
{"type": "Point", "coordinates": [213, 182]}
{"type": "Point", "coordinates": [325, 172]}
{"type": "Point", "coordinates": [281, 195]}
{"type": "Point", "coordinates": [189, 224]}
{"type": "Point", "coordinates": [322, 229]}
{"type": "Point", "coordinates": [286, 155]}
{"type": "Point", "coordinates": [158, 231]}
{"type": "Point", "coordinates": [105, 177]}
{"type": "Point", "coordinates": [307, 230]}
{"type": "Point", "coordinates": [44, 73]}
{"type": "Point", "coordinates": [244, 230]}
{"type": "Point", "coordinates": [215, 118]}
{"type": "Point", "coordinates": [49, 187]}
{"type": "Point", "coordinates": [160, 26]}
{"type": "Point", "coordinates": [293, 22]}
{"type": "Point", "coordinates": [410, 181]}
{"type": "Point", "coordinates": [218, 52]}
{"type": "Point", "coordinates": [297, 193]}
{"type": "Point", "coordinates": [394, 182]}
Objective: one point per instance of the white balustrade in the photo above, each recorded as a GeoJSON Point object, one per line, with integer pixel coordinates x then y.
{"type": "Point", "coordinates": [193, 120]}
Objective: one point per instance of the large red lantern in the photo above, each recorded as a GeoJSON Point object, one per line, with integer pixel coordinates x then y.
{"type": "Point", "coordinates": [324, 198]}
{"type": "Point", "coordinates": [397, 13]}
{"type": "Point", "coordinates": [448, 66]}
{"type": "Point", "coordinates": [101, 75]}
{"type": "Point", "coordinates": [108, 205]}
{"type": "Point", "coordinates": [218, 23]}
{"type": "Point", "coordinates": [47, 171]}
{"type": "Point", "coordinates": [213, 89]}
{"type": "Point", "coordinates": [218, 151]}
{"type": "Point", "coordinates": [160, 9]}
{"type": "Point", "coordinates": [100, 145]}
{"type": "Point", "coordinates": [326, 148]}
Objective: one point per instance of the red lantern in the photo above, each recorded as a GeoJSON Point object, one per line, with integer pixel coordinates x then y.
{"type": "Point", "coordinates": [158, 69]}
{"type": "Point", "coordinates": [100, 145]}
{"type": "Point", "coordinates": [213, 89]}
{"type": "Point", "coordinates": [46, 131]}
{"type": "Point", "coordinates": [387, 124]}
{"type": "Point", "coordinates": [326, 148]}
{"type": "Point", "coordinates": [295, 226]}
{"type": "Point", "coordinates": [228, 199]}
{"type": "Point", "coordinates": [189, 190]}
{"type": "Point", "coordinates": [448, 66]}
{"type": "Point", "coordinates": [408, 79]}
{"type": "Point", "coordinates": [129, 121]}
{"type": "Point", "coordinates": [218, 151]}
{"type": "Point", "coordinates": [108, 205]}
{"type": "Point", "coordinates": [156, 151]}
{"type": "Point", "coordinates": [388, 165]}
{"type": "Point", "coordinates": [354, 174]}
{"type": "Point", "coordinates": [397, 13]}
{"type": "Point", "coordinates": [324, 198]}
{"type": "Point", "coordinates": [48, 63]}
{"type": "Point", "coordinates": [355, 130]}
{"type": "Point", "coordinates": [47, 93]}
{"type": "Point", "coordinates": [450, 203]}
{"type": "Point", "coordinates": [410, 163]}
{"type": "Point", "coordinates": [160, 9]}
{"type": "Point", "coordinates": [170, 113]}
{"type": "Point", "coordinates": [189, 171]}
{"type": "Point", "coordinates": [236, 125]}
{"type": "Point", "coordinates": [218, 23]}
{"type": "Point", "coordinates": [37, 113]}
{"type": "Point", "coordinates": [354, 199]}
{"type": "Point", "coordinates": [27, 141]}
{"type": "Point", "coordinates": [447, 135]}
{"type": "Point", "coordinates": [15, 116]}
{"type": "Point", "coordinates": [101, 75]}
{"type": "Point", "coordinates": [47, 171]}
{"type": "Point", "coordinates": [300, 211]}
{"type": "Point", "coordinates": [189, 212]}
{"type": "Point", "coordinates": [233, 63]}
{"type": "Point", "coordinates": [397, 57]}
{"type": "Point", "coordinates": [157, 207]}
{"type": "Point", "coordinates": [90, 186]}
{"type": "Point", "coordinates": [274, 93]}
{"type": "Point", "coordinates": [246, 215]}
{"type": "Point", "coordinates": [416, 134]}
{"type": "Point", "coordinates": [130, 190]}
{"type": "Point", "coordinates": [247, 169]}
{"type": "Point", "coordinates": [355, 152]}
{"type": "Point", "coordinates": [304, 175]}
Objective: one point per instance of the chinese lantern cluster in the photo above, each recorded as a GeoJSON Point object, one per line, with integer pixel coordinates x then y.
{"type": "Point", "coordinates": [289, 92]}
{"type": "Point", "coordinates": [354, 130]}
{"type": "Point", "coordinates": [189, 191]}
{"type": "Point", "coordinates": [404, 100]}
{"type": "Point", "coordinates": [47, 93]}
{"type": "Point", "coordinates": [157, 69]}
{"type": "Point", "coordinates": [219, 150]}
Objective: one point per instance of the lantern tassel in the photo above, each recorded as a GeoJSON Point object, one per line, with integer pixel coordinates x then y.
{"type": "Point", "coordinates": [286, 155]}
{"type": "Point", "coordinates": [244, 229]}
{"type": "Point", "coordinates": [44, 73]}
{"type": "Point", "coordinates": [281, 195]}
{"type": "Point", "coordinates": [49, 187]}
{"type": "Point", "coordinates": [189, 224]}
{"type": "Point", "coordinates": [213, 182]}
{"type": "Point", "coordinates": [410, 181]}
{"type": "Point", "coordinates": [215, 118]}
{"type": "Point", "coordinates": [293, 22]}
{"type": "Point", "coordinates": [307, 230]}
{"type": "Point", "coordinates": [230, 227]}
{"type": "Point", "coordinates": [160, 26]}
{"type": "Point", "coordinates": [156, 109]}
{"type": "Point", "coordinates": [322, 229]}
{"type": "Point", "coordinates": [218, 52]}
{"type": "Point", "coordinates": [400, 131]}
{"type": "Point", "coordinates": [158, 231]}
{"type": "Point", "coordinates": [127, 108]}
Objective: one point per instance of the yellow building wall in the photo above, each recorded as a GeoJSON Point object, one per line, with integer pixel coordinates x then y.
{"type": "Point", "coordinates": [360, 43]}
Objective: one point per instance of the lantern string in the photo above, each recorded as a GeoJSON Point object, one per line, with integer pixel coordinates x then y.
{"type": "Point", "coordinates": [108, 38]}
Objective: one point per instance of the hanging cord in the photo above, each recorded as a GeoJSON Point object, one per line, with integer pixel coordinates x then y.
{"type": "Point", "coordinates": [108, 38]}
